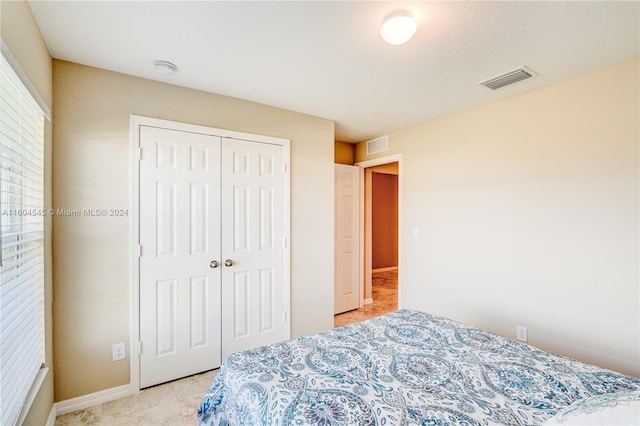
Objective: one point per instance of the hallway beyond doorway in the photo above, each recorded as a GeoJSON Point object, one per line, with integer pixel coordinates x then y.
{"type": "Point", "coordinates": [385, 299]}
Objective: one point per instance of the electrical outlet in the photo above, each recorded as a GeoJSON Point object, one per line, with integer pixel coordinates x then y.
{"type": "Point", "coordinates": [118, 351]}
{"type": "Point", "coordinates": [521, 333]}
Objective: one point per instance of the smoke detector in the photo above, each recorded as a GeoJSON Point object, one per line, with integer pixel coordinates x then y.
{"type": "Point", "coordinates": [164, 67]}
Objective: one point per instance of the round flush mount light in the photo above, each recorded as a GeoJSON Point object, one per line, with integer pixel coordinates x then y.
{"type": "Point", "coordinates": [164, 67]}
{"type": "Point", "coordinates": [398, 27]}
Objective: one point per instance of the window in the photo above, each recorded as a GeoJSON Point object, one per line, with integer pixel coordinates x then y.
{"type": "Point", "coordinates": [21, 241]}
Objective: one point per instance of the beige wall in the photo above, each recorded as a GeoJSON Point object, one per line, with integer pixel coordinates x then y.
{"type": "Point", "coordinates": [21, 34]}
{"type": "Point", "coordinates": [91, 170]}
{"type": "Point", "coordinates": [528, 215]}
{"type": "Point", "coordinates": [344, 153]}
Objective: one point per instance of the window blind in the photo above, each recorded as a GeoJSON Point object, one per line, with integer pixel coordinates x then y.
{"type": "Point", "coordinates": [21, 243]}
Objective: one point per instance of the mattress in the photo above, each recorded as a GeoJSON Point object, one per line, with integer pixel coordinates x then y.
{"type": "Point", "coordinates": [406, 367]}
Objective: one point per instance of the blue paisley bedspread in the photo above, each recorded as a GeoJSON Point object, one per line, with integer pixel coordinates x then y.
{"type": "Point", "coordinates": [406, 367]}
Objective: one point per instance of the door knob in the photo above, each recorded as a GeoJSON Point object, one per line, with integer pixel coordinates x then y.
{"type": "Point", "coordinates": [213, 264]}
{"type": "Point", "coordinates": [228, 262]}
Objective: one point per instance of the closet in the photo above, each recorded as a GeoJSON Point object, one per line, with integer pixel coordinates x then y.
{"type": "Point", "coordinates": [213, 250]}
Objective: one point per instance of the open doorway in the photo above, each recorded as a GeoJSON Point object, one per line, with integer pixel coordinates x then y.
{"type": "Point", "coordinates": [384, 236]}
{"type": "Point", "coordinates": [380, 198]}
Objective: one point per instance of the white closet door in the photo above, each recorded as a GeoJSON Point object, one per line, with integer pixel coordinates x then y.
{"type": "Point", "coordinates": [180, 236]}
{"type": "Point", "coordinates": [347, 238]}
{"type": "Point", "coordinates": [253, 233]}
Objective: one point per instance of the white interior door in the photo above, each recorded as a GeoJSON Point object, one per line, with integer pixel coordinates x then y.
{"type": "Point", "coordinates": [180, 236]}
{"type": "Point", "coordinates": [347, 238]}
{"type": "Point", "coordinates": [253, 243]}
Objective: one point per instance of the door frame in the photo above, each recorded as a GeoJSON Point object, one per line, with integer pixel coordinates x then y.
{"type": "Point", "coordinates": [365, 247]}
{"type": "Point", "coordinates": [135, 122]}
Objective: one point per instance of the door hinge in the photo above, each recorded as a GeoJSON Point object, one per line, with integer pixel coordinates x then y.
{"type": "Point", "coordinates": [139, 348]}
{"type": "Point", "coordinates": [284, 242]}
{"type": "Point", "coordinates": [284, 317]}
{"type": "Point", "coordinates": [139, 250]}
{"type": "Point", "coordinates": [284, 167]}
{"type": "Point", "coordinates": [139, 153]}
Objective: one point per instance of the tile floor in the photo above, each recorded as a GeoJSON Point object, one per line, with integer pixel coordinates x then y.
{"type": "Point", "coordinates": [175, 403]}
{"type": "Point", "coordinates": [170, 404]}
{"type": "Point", "coordinates": [384, 289]}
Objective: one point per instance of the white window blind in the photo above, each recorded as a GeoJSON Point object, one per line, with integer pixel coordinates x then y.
{"type": "Point", "coordinates": [21, 243]}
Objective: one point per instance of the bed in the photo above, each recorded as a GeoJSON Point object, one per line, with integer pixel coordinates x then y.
{"type": "Point", "coordinates": [410, 367]}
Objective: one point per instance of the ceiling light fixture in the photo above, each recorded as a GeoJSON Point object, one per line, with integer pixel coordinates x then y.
{"type": "Point", "coordinates": [398, 27]}
{"type": "Point", "coordinates": [164, 67]}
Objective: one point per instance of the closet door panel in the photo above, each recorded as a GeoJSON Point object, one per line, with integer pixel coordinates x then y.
{"type": "Point", "coordinates": [253, 217]}
{"type": "Point", "coordinates": [180, 313]}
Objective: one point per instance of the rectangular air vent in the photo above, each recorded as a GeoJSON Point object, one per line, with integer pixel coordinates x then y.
{"type": "Point", "coordinates": [506, 79]}
{"type": "Point", "coordinates": [377, 145]}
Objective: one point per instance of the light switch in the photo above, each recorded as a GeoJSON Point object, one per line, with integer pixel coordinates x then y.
{"type": "Point", "coordinates": [415, 232]}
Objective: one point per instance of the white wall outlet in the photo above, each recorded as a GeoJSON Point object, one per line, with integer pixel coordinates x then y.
{"type": "Point", "coordinates": [118, 351]}
{"type": "Point", "coordinates": [521, 333]}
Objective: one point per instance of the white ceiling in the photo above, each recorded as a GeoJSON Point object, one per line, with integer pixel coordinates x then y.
{"type": "Point", "coordinates": [327, 59]}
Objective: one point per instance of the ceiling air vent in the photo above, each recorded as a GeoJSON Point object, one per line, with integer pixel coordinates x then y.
{"type": "Point", "coordinates": [506, 79]}
{"type": "Point", "coordinates": [377, 145]}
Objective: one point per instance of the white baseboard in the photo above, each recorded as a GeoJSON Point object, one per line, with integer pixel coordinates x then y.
{"type": "Point", "coordinates": [91, 400]}
{"type": "Point", "coordinates": [389, 268]}
{"type": "Point", "coordinates": [368, 301]}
